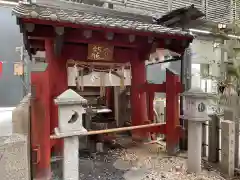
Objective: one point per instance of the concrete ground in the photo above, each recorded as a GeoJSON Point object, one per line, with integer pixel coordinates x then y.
{"type": "Point", "coordinates": [135, 162]}
{"type": "Point", "coordinates": [6, 121]}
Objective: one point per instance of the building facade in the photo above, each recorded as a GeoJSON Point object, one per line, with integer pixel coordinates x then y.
{"type": "Point", "coordinates": [11, 87]}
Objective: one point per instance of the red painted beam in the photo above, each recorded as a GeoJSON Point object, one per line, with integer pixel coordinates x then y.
{"type": "Point", "coordinates": [117, 30]}
{"type": "Point", "coordinates": [38, 44]}
{"type": "Point", "coordinates": [42, 32]}
{"type": "Point", "coordinates": [99, 37]}
{"type": "Point", "coordinates": [151, 88]}
{"type": "Point", "coordinates": [76, 36]}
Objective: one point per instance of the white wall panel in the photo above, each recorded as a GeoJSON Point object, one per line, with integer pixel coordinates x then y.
{"type": "Point", "coordinates": [87, 80]}
{"type": "Point", "coordinates": [202, 52]}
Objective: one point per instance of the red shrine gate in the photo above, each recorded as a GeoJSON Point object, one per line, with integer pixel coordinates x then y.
{"type": "Point", "coordinates": [66, 31]}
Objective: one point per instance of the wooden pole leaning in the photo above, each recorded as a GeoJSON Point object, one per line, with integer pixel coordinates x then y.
{"type": "Point", "coordinates": [59, 135]}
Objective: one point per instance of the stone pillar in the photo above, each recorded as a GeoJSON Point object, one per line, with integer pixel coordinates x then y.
{"type": "Point", "coordinates": [14, 164]}
{"type": "Point", "coordinates": [194, 146]}
{"type": "Point", "coordinates": [186, 80]}
{"type": "Point", "coordinates": [213, 139]}
{"type": "Point", "coordinates": [195, 111]}
{"type": "Point", "coordinates": [70, 120]}
{"type": "Point", "coordinates": [234, 117]}
{"type": "Point", "coordinates": [228, 147]}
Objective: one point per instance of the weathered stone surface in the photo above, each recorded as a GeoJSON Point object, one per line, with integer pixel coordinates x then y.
{"type": "Point", "coordinates": [122, 165]}
{"type": "Point", "coordinates": [228, 147]}
{"type": "Point", "coordinates": [14, 158]}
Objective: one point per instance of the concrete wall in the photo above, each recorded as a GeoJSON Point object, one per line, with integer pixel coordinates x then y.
{"type": "Point", "coordinates": [11, 89]}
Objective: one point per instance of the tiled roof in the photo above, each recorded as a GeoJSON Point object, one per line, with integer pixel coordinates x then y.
{"type": "Point", "coordinates": [80, 16]}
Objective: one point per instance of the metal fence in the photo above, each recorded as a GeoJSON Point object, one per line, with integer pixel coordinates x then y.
{"type": "Point", "coordinates": [223, 11]}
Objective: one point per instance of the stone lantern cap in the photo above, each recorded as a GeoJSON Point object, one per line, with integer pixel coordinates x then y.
{"type": "Point", "coordinates": [197, 93]}
{"type": "Point", "coordinates": [70, 97]}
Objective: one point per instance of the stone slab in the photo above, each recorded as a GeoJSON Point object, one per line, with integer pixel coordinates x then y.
{"type": "Point", "coordinates": [14, 158]}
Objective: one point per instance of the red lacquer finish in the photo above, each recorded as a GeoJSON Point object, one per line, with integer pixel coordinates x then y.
{"type": "Point", "coordinates": [51, 83]}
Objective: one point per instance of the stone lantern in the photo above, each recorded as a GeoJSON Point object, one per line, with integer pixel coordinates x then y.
{"type": "Point", "coordinates": [70, 112]}
{"type": "Point", "coordinates": [195, 111]}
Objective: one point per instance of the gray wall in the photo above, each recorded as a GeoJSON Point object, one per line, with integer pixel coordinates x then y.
{"type": "Point", "coordinates": [157, 76]}
{"type": "Point", "coordinates": [11, 89]}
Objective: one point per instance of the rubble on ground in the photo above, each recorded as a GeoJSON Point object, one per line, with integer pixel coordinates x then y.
{"type": "Point", "coordinates": [150, 166]}
{"type": "Point", "coordinates": [139, 163]}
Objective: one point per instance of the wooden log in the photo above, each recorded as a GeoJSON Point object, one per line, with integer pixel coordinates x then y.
{"type": "Point", "coordinates": [59, 135]}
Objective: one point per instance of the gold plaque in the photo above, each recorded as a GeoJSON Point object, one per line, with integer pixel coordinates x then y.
{"type": "Point", "coordinates": [100, 52]}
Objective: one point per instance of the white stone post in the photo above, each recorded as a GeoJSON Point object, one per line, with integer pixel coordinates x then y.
{"type": "Point", "coordinates": [195, 111]}
{"type": "Point", "coordinates": [228, 147]}
{"type": "Point", "coordinates": [70, 112]}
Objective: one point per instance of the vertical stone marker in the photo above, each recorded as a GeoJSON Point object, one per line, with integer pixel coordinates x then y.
{"type": "Point", "coordinates": [14, 158]}
{"type": "Point", "coordinates": [195, 111]}
{"type": "Point", "coordinates": [228, 147]}
{"type": "Point", "coordinates": [70, 112]}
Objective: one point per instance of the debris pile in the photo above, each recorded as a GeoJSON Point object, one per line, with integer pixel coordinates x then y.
{"type": "Point", "coordinates": [148, 166]}
{"type": "Point", "coordinates": [137, 163]}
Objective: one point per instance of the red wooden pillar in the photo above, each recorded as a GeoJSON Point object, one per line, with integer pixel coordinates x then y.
{"type": "Point", "coordinates": [58, 84]}
{"type": "Point", "coordinates": [172, 112]}
{"type": "Point", "coordinates": [40, 122]}
{"type": "Point", "coordinates": [150, 106]}
{"type": "Point", "coordinates": [46, 86]}
{"type": "Point", "coordinates": [138, 100]}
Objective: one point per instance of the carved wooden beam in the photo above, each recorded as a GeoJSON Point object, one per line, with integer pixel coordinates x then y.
{"type": "Point", "coordinates": [59, 30]}
{"type": "Point", "coordinates": [58, 44]}
{"type": "Point", "coordinates": [109, 36]}
{"type": "Point", "coordinates": [132, 38]}
{"type": "Point", "coordinates": [101, 37]}
{"type": "Point", "coordinates": [30, 27]}
{"type": "Point", "coordinates": [59, 41]}
{"type": "Point", "coordinates": [87, 34]}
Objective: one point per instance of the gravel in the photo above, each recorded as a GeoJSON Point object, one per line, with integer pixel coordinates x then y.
{"type": "Point", "coordinates": [136, 163]}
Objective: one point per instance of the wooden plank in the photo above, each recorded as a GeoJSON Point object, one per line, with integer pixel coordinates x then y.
{"type": "Point", "coordinates": [59, 135]}
{"type": "Point", "coordinates": [71, 62]}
